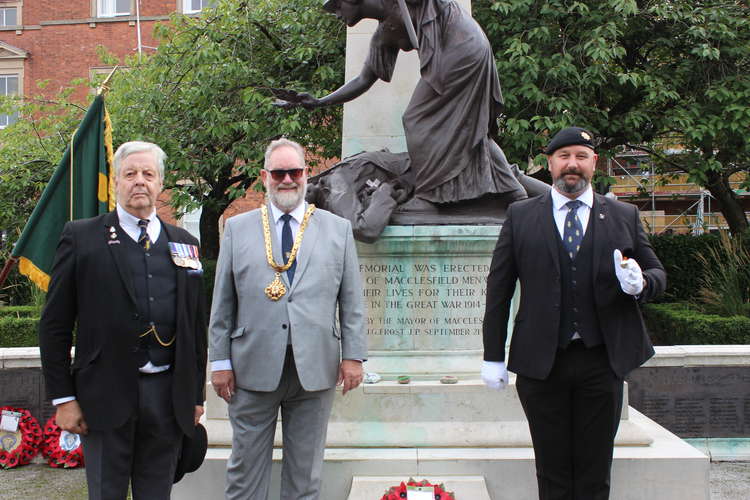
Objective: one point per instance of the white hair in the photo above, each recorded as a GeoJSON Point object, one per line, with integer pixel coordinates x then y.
{"type": "Point", "coordinates": [128, 148]}
{"type": "Point", "coordinates": [280, 143]}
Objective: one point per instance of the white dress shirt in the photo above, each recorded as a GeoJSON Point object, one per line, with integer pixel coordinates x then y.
{"type": "Point", "coordinates": [560, 211]}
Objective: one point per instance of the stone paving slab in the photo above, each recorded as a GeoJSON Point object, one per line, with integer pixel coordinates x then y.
{"type": "Point", "coordinates": [729, 481]}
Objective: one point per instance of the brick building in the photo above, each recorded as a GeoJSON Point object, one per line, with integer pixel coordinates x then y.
{"type": "Point", "coordinates": [57, 40]}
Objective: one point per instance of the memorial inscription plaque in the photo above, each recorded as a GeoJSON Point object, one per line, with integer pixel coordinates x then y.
{"type": "Point", "coordinates": [425, 304]}
{"type": "Point", "coordinates": [424, 292]}
{"type": "Point", "coordinates": [705, 401]}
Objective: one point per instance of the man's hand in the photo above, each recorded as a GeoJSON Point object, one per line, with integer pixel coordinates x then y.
{"type": "Point", "coordinates": [70, 418]}
{"type": "Point", "coordinates": [350, 374]}
{"type": "Point", "coordinates": [223, 382]}
{"type": "Point", "coordinates": [198, 413]}
{"type": "Point", "coordinates": [494, 374]}
{"type": "Point", "coordinates": [628, 273]}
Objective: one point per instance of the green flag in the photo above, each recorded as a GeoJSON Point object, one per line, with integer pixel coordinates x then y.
{"type": "Point", "coordinates": [82, 186]}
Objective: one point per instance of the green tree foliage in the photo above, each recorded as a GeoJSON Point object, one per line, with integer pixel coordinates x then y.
{"type": "Point", "coordinates": [204, 97]}
{"type": "Point", "coordinates": [31, 148]}
{"type": "Point", "coordinates": [649, 74]}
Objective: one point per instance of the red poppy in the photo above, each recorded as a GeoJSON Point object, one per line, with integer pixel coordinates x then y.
{"type": "Point", "coordinates": [31, 437]}
{"type": "Point", "coordinates": [399, 492]}
{"type": "Point", "coordinates": [56, 456]}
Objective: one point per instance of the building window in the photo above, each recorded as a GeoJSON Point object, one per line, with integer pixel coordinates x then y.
{"type": "Point", "coordinates": [8, 86]}
{"type": "Point", "coordinates": [193, 6]}
{"type": "Point", "coordinates": [112, 8]}
{"type": "Point", "coordinates": [9, 16]}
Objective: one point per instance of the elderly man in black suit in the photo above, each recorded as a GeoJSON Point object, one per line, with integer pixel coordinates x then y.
{"type": "Point", "coordinates": [584, 264]}
{"type": "Point", "coordinates": [130, 285]}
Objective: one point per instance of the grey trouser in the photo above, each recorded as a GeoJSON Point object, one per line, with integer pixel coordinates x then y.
{"type": "Point", "coordinates": [304, 417]}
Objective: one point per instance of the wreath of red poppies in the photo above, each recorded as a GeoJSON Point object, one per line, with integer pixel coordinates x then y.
{"type": "Point", "coordinates": [399, 492]}
{"type": "Point", "coordinates": [56, 456]}
{"type": "Point", "coordinates": [20, 447]}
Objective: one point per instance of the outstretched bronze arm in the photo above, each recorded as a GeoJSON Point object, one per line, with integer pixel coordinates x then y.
{"type": "Point", "coordinates": [347, 92]}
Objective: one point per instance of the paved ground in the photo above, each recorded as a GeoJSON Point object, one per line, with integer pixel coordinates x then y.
{"type": "Point", "coordinates": [729, 481]}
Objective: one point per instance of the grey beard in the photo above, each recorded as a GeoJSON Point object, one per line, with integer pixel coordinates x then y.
{"type": "Point", "coordinates": [286, 202]}
{"type": "Point", "coordinates": [576, 188]}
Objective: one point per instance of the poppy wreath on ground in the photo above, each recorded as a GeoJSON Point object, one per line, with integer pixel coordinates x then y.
{"type": "Point", "coordinates": [400, 492]}
{"type": "Point", "coordinates": [20, 447]}
{"type": "Point", "coordinates": [61, 448]}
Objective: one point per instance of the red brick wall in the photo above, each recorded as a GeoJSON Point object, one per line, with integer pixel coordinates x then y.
{"type": "Point", "coordinates": [62, 52]}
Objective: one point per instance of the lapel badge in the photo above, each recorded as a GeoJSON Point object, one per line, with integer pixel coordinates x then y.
{"type": "Point", "coordinates": [601, 216]}
{"type": "Point", "coordinates": [113, 236]}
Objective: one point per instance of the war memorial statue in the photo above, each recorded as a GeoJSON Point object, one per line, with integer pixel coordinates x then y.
{"type": "Point", "coordinates": [454, 171]}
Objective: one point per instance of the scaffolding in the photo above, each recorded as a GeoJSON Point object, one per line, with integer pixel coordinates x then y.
{"type": "Point", "coordinates": [652, 192]}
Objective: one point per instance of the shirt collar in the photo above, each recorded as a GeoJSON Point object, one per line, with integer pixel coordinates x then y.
{"type": "Point", "coordinates": [128, 219]}
{"type": "Point", "coordinates": [559, 200]}
{"type": "Point", "coordinates": [297, 214]}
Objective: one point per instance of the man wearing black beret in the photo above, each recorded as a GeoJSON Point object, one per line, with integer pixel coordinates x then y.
{"type": "Point", "coordinates": [584, 265]}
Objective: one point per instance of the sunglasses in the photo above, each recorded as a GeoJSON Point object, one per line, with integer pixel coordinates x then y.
{"type": "Point", "coordinates": [280, 174]}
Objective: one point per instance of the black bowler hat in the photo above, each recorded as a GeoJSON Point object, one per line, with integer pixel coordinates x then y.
{"type": "Point", "coordinates": [571, 136]}
{"type": "Point", "coordinates": [193, 452]}
{"type": "Point", "coordinates": [331, 5]}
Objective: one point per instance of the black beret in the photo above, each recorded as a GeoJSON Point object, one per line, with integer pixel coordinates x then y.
{"type": "Point", "coordinates": [193, 452]}
{"type": "Point", "coordinates": [571, 136]}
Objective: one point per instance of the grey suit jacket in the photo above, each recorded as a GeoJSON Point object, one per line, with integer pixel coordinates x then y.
{"type": "Point", "coordinates": [323, 307]}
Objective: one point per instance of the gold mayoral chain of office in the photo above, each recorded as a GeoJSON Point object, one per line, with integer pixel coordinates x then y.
{"type": "Point", "coordinates": [276, 289]}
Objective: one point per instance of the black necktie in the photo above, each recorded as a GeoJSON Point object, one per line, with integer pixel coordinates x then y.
{"type": "Point", "coordinates": [573, 232]}
{"type": "Point", "coordinates": [143, 239]}
{"type": "Point", "coordinates": [287, 241]}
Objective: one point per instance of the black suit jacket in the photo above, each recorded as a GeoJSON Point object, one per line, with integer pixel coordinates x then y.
{"type": "Point", "coordinates": [527, 251]}
{"type": "Point", "coordinates": [91, 293]}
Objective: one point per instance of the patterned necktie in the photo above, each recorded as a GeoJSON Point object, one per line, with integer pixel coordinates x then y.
{"type": "Point", "coordinates": [573, 232]}
{"type": "Point", "coordinates": [143, 239]}
{"type": "Point", "coordinates": [287, 241]}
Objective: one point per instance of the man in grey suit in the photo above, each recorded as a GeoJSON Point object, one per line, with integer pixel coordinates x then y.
{"type": "Point", "coordinates": [286, 328]}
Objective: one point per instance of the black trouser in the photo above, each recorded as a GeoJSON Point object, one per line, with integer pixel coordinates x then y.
{"type": "Point", "coordinates": [143, 451]}
{"type": "Point", "coordinates": [573, 417]}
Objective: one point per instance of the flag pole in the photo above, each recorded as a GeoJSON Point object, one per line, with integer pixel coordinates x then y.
{"type": "Point", "coordinates": [104, 87]}
{"type": "Point", "coordinates": [12, 261]}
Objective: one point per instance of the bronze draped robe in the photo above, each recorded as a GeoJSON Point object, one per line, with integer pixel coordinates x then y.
{"type": "Point", "coordinates": [453, 107]}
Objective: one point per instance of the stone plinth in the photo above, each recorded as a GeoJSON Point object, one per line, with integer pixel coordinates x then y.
{"type": "Point", "coordinates": [424, 291]}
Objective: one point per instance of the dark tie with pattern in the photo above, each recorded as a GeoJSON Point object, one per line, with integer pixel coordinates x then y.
{"type": "Point", "coordinates": [573, 232]}
{"type": "Point", "coordinates": [143, 239]}
{"type": "Point", "coordinates": [287, 241]}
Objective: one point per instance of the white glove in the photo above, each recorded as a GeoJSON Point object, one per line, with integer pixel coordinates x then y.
{"type": "Point", "coordinates": [628, 273]}
{"type": "Point", "coordinates": [494, 374]}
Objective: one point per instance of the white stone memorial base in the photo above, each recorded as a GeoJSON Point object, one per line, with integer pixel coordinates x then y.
{"type": "Point", "coordinates": [649, 462]}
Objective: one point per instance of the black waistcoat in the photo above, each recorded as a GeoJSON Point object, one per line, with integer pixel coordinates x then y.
{"type": "Point", "coordinates": [155, 284]}
{"type": "Point", "coordinates": [577, 308]}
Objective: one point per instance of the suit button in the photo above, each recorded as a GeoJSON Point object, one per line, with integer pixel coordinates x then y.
{"type": "Point", "coordinates": [290, 300]}
{"type": "Point", "coordinates": [135, 316]}
{"type": "Point", "coordinates": [575, 324]}
{"type": "Point", "coordinates": [574, 282]}
{"type": "Point", "coordinates": [148, 254]}
{"type": "Point", "coordinates": [150, 299]}
{"type": "Point", "coordinates": [575, 309]}
{"type": "Point", "coordinates": [134, 349]}
{"type": "Point", "coordinates": [150, 275]}
{"type": "Point", "coordinates": [283, 326]}
{"type": "Point", "coordinates": [573, 268]}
